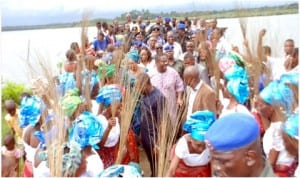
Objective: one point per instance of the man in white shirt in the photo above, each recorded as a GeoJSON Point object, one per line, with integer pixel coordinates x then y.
{"type": "Point", "coordinates": [177, 47]}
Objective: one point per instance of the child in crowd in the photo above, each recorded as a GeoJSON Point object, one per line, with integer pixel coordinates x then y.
{"type": "Point", "coordinates": [12, 154]}
{"type": "Point", "coordinates": [11, 118]}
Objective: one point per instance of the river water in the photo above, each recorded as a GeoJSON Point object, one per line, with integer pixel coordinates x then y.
{"type": "Point", "coordinates": [17, 47]}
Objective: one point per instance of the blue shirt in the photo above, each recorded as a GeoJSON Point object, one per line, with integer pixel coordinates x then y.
{"type": "Point", "coordinates": [100, 45]}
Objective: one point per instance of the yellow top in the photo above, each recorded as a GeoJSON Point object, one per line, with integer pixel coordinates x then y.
{"type": "Point", "coordinates": [13, 123]}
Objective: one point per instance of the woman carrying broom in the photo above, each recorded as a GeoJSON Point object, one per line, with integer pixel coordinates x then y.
{"type": "Point", "coordinates": [190, 157]}
{"type": "Point", "coordinates": [110, 97]}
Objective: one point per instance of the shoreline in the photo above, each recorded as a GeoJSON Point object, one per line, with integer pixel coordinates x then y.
{"type": "Point", "coordinates": [288, 9]}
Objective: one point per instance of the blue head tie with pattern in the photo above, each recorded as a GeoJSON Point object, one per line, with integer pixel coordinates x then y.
{"type": "Point", "coordinates": [237, 83]}
{"type": "Point", "coordinates": [235, 72]}
{"type": "Point", "coordinates": [134, 55]}
{"type": "Point", "coordinates": [30, 111]}
{"type": "Point", "coordinates": [291, 126]}
{"type": "Point", "coordinates": [71, 160]}
{"type": "Point", "coordinates": [239, 88]}
{"type": "Point", "coordinates": [86, 130]}
{"type": "Point", "coordinates": [290, 78]}
{"type": "Point", "coordinates": [108, 95]}
{"type": "Point", "coordinates": [119, 170]}
{"type": "Point", "coordinates": [278, 94]}
{"type": "Point", "coordinates": [198, 124]}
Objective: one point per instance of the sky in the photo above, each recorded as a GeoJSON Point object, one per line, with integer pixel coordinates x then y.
{"type": "Point", "coordinates": [34, 12]}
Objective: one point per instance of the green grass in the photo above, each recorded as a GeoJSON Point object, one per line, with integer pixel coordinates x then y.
{"type": "Point", "coordinates": [4, 131]}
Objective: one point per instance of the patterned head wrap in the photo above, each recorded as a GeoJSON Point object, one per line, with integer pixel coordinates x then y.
{"type": "Point", "coordinates": [233, 67]}
{"type": "Point", "coordinates": [237, 83]}
{"type": "Point", "coordinates": [239, 89]}
{"type": "Point", "coordinates": [134, 55]}
{"type": "Point", "coordinates": [72, 159]}
{"type": "Point", "coordinates": [30, 111]}
{"type": "Point", "coordinates": [291, 126]}
{"type": "Point", "coordinates": [198, 124]}
{"type": "Point", "coordinates": [109, 94]}
{"type": "Point", "coordinates": [86, 130]}
{"type": "Point", "coordinates": [290, 78]}
{"type": "Point", "coordinates": [278, 94]}
{"type": "Point", "coordinates": [106, 71]}
{"type": "Point", "coordinates": [70, 102]}
{"type": "Point", "coordinates": [119, 170]}
{"type": "Point", "coordinates": [39, 86]}
{"type": "Point", "coordinates": [230, 60]}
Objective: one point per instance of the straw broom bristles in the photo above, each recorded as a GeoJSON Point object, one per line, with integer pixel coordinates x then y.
{"type": "Point", "coordinates": [129, 101]}
{"type": "Point", "coordinates": [51, 100]}
{"type": "Point", "coordinates": [55, 151]}
{"type": "Point", "coordinates": [167, 136]}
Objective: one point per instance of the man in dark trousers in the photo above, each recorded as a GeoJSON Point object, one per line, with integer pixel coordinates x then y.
{"type": "Point", "coordinates": [152, 105]}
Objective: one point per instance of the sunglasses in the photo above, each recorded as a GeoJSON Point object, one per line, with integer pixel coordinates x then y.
{"type": "Point", "coordinates": [156, 29]}
{"type": "Point", "coordinates": [159, 47]}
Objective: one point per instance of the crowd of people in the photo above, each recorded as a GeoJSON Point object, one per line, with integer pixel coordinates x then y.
{"type": "Point", "coordinates": [236, 114]}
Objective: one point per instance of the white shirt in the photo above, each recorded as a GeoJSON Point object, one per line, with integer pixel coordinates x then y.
{"type": "Point", "coordinates": [95, 107]}
{"type": "Point", "coordinates": [114, 134]}
{"type": "Point", "coordinates": [150, 66]}
{"type": "Point", "coordinates": [273, 139]}
{"type": "Point", "coordinates": [222, 48]}
{"type": "Point", "coordinates": [193, 93]}
{"type": "Point", "coordinates": [276, 67]}
{"type": "Point", "coordinates": [238, 108]}
{"type": "Point", "coordinates": [191, 159]}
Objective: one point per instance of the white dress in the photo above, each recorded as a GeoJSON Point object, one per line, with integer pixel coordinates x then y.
{"type": "Point", "coordinates": [273, 139]}
{"type": "Point", "coordinates": [94, 165]}
{"type": "Point", "coordinates": [191, 159]}
{"type": "Point", "coordinates": [114, 134]}
{"type": "Point", "coordinates": [42, 170]}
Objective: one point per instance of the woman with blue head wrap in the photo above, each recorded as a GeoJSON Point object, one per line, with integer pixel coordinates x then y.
{"type": "Point", "coordinates": [31, 111]}
{"type": "Point", "coordinates": [191, 156]}
{"type": "Point", "coordinates": [110, 97]}
{"type": "Point", "coordinates": [269, 105]}
{"type": "Point", "coordinates": [133, 68]}
{"type": "Point", "coordinates": [87, 131]}
{"type": "Point", "coordinates": [236, 91]}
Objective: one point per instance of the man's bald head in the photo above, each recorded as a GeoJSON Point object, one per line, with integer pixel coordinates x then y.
{"type": "Point", "coordinates": [191, 76]}
{"type": "Point", "coordinates": [191, 71]}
